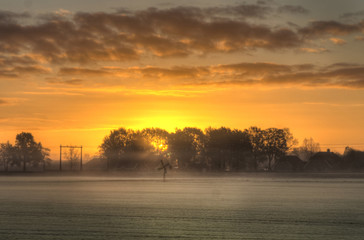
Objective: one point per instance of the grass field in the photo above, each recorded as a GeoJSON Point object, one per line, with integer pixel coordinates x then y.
{"type": "Point", "coordinates": [239, 207]}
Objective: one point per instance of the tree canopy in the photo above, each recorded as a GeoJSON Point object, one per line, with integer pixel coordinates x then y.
{"type": "Point", "coordinates": [25, 152]}
{"type": "Point", "coordinates": [215, 149]}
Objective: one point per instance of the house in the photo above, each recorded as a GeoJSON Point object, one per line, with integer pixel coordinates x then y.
{"type": "Point", "coordinates": [323, 162]}
{"type": "Point", "coordinates": [353, 160]}
{"type": "Point", "coordinates": [289, 164]}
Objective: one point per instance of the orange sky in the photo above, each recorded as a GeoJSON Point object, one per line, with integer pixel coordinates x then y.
{"type": "Point", "coordinates": [70, 73]}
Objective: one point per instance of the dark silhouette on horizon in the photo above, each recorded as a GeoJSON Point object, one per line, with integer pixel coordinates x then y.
{"type": "Point", "coordinates": [192, 149]}
{"type": "Point", "coordinates": [164, 166]}
{"type": "Point", "coordinates": [25, 153]}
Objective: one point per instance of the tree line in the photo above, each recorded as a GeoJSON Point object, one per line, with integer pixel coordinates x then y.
{"type": "Point", "coordinates": [26, 152]}
{"type": "Point", "coordinates": [211, 149]}
{"type": "Point", "coordinates": [214, 149]}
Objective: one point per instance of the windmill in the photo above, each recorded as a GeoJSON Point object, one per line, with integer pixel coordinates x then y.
{"type": "Point", "coordinates": [164, 166]}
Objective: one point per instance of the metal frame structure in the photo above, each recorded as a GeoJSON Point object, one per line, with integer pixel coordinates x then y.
{"type": "Point", "coordinates": [60, 155]}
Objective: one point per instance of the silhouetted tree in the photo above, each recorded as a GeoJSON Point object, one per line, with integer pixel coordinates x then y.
{"type": "Point", "coordinates": [308, 148]}
{"type": "Point", "coordinates": [257, 145]}
{"type": "Point", "coordinates": [42, 156]}
{"type": "Point", "coordinates": [276, 142]}
{"type": "Point", "coordinates": [157, 138]}
{"type": "Point", "coordinates": [137, 143]}
{"type": "Point", "coordinates": [240, 146]}
{"type": "Point", "coordinates": [29, 152]}
{"type": "Point", "coordinates": [221, 149]}
{"type": "Point", "coordinates": [113, 146]}
{"type": "Point", "coordinates": [225, 148]}
{"type": "Point", "coordinates": [123, 148]}
{"type": "Point", "coordinates": [7, 154]}
{"type": "Point", "coordinates": [186, 146]}
{"type": "Point", "coordinates": [353, 160]}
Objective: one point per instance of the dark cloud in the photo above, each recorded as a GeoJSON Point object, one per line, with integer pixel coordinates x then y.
{"type": "Point", "coordinates": [266, 74]}
{"type": "Point", "coordinates": [321, 28]}
{"type": "Point", "coordinates": [353, 15]}
{"type": "Point", "coordinates": [307, 75]}
{"type": "Point", "coordinates": [7, 74]}
{"type": "Point", "coordinates": [292, 9]}
{"type": "Point", "coordinates": [242, 10]}
{"type": "Point", "coordinates": [359, 38]}
{"type": "Point", "coordinates": [175, 72]}
{"type": "Point", "coordinates": [12, 66]}
{"type": "Point", "coordinates": [3, 102]}
{"type": "Point", "coordinates": [82, 71]}
{"type": "Point", "coordinates": [22, 70]}
{"type": "Point", "coordinates": [181, 31]}
{"type": "Point", "coordinates": [11, 17]}
{"type": "Point", "coordinates": [71, 82]}
{"type": "Point", "coordinates": [31, 70]}
{"type": "Point", "coordinates": [20, 60]}
{"type": "Point", "coordinates": [345, 75]}
{"type": "Point", "coordinates": [341, 65]}
{"type": "Point", "coordinates": [173, 32]}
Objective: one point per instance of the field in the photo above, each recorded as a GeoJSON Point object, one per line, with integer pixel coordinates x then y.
{"type": "Point", "coordinates": [226, 207]}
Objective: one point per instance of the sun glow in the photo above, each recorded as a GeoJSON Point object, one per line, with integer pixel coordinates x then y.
{"type": "Point", "coordinates": [160, 145]}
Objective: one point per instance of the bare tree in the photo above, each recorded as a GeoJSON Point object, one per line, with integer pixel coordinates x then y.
{"type": "Point", "coordinates": [308, 148]}
{"type": "Point", "coordinates": [73, 157]}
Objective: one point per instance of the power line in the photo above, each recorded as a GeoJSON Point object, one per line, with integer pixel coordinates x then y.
{"type": "Point", "coordinates": [340, 144]}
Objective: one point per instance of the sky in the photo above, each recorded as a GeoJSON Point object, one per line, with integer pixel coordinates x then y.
{"type": "Point", "coordinates": [72, 71]}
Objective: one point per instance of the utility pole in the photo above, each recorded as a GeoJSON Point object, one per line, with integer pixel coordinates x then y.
{"type": "Point", "coordinates": [60, 155]}
{"type": "Point", "coordinates": [60, 158]}
{"type": "Point", "coordinates": [81, 160]}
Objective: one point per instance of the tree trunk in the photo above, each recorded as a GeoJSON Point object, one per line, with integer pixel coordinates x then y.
{"type": "Point", "coordinates": [269, 163]}
{"type": "Point", "coordinates": [24, 166]}
{"type": "Point", "coordinates": [255, 163]}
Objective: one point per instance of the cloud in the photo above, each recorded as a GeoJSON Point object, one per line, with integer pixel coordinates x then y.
{"type": "Point", "coordinates": [62, 12]}
{"type": "Point", "coordinates": [17, 71]}
{"type": "Point", "coordinates": [88, 37]}
{"type": "Point", "coordinates": [13, 66]}
{"type": "Point", "coordinates": [338, 41]}
{"type": "Point", "coordinates": [348, 76]}
{"type": "Point", "coordinates": [334, 28]}
{"type": "Point", "coordinates": [292, 9]}
{"type": "Point", "coordinates": [82, 38]}
{"type": "Point", "coordinates": [18, 60]}
{"type": "Point", "coordinates": [314, 50]}
{"type": "Point", "coordinates": [52, 93]}
{"type": "Point", "coordinates": [175, 72]}
{"type": "Point", "coordinates": [339, 75]}
{"type": "Point", "coordinates": [71, 82]}
{"type": "Point", "coordinates": [11, 101]}
{"type": "Point", "coordinates": [242, 10]}
{"type": "Point", "coordinates": [82, 71]}
{"type": "Point", "coordinates": [353, 15]}
{"type": "Point", "coordinates": [267, 74]}
{"type": "Point", "coordinates": [12, 17]}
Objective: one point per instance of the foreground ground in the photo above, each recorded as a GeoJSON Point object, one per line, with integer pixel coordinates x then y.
{"type": "Point", "coordinates": [142, 206]}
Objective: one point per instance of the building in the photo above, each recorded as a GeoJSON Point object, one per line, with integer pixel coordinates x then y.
{"type": "Point", "coordinates": [353, 160]}
{"type": "Point", "coordinates": [289, 164]}
{"type": "Point", "coordinates": [324, 162]}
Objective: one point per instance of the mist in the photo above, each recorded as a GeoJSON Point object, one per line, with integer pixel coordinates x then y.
{"type": "Point", "coordinates": [86, 207]}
